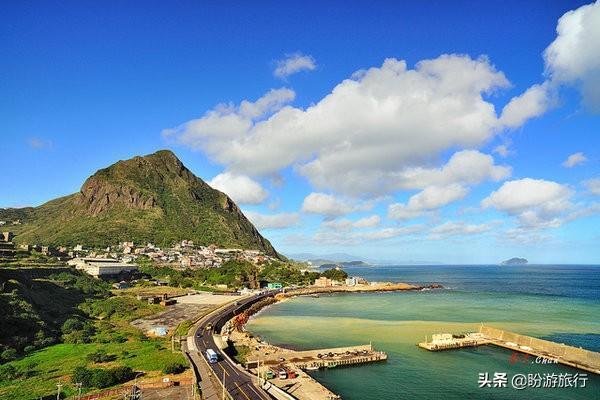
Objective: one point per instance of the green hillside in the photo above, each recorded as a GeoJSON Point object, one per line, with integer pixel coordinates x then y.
{"type": "Point", "coordinates": [154, 198]}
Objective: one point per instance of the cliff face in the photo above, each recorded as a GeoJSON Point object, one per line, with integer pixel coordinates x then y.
{"type": "Point", "coordinates": [154, 198]}
{"type": "Point", "coordinates": [97, 197]}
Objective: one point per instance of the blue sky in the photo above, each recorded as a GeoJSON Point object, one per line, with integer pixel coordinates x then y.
{"type": "Point", "coordinates": [453, 150]}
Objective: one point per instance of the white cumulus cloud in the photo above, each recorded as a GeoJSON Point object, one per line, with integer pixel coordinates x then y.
{"type": "Point", "coordinates": [458, 228]}
{"type": "Point", "coordinates": [346, 225]}
{"type": "Point", "coordinates": [536, 203]}
{"type": "Point", "coordinates": [357, 238]}
{"type": "Point", "coordinates": [218, 130]}
{"type": "Point", "coordinates": [466, 167]}
{"type": "Point", "coordinates": [573, 57]}
{"type": "Point", "coordinates": [273, 221]}
{"type": "Point", "coordinates": [294, 63]}
{"type": "Point", "coordinates": [427, 201]}
{"type": "Point", "coordinates": [593, 185]}
{"type": "Point", "coordinates": [240, 188]}
{"type": "Point", "coordinates": [574, 160]}
{"type": "Point", "coordinates": [330, 205]}
{"type": "Point", "coordinates": [359, 139]}
{"type": "Point", "coordinates": [532, 103]}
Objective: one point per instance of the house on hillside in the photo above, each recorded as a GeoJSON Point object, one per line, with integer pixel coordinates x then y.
{"type": "Point", "coordinates": [6, 236]}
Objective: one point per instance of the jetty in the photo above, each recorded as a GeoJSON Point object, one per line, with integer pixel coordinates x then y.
{"type": "Point", "coordinates": [561, 353]}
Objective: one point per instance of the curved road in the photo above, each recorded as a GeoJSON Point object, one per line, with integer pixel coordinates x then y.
{"type": "Point", "coordinates": [238, 384]}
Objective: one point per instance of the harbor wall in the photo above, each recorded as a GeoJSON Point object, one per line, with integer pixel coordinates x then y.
{"type": "Point", "coordinates": [568, 353]}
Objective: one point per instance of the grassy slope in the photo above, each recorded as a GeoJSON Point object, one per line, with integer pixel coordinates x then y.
{"type": "Point", "coordinates": [33, 302]}
{"type": "Point", "coordinates": [54, 363]}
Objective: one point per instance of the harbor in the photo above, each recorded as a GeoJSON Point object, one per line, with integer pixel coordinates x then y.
{"type": "Point", "coordinates": [289, 369]}
{"type": "Point", "coordinates": [550, 351]}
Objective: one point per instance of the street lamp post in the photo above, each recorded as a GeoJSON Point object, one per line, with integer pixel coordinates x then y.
{"type": "Point", "coordinates": [134, 387]}
{"type": "Point", "coordinates": [58, 385]}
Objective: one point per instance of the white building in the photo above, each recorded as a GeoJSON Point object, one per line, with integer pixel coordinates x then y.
{"type": "Point", "coordinates": [351, 281]}
{"type": "Point", "coordinates": [98, 267]}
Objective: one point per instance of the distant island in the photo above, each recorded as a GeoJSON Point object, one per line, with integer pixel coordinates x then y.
{"type": "Point", "coordinates": [354, 264]}
{"type": "Point", "coordinates": [515, 261]}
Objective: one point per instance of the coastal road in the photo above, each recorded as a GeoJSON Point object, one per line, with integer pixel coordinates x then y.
{"type": "Point", "coordinates": [238, 384]}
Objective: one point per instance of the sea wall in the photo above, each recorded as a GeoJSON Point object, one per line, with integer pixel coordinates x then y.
{"type": "Point", "coordinates": [568, 353]}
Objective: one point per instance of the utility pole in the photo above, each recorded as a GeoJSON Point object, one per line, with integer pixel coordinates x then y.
{"type": "Point", "coordinates": [258, 371]}
{"type": "Point", "coordinates": [58, 385]}
{"type": "Point", "coordinates": [223, 384]}
{"type": "Point", "coordinates": [78, 385]}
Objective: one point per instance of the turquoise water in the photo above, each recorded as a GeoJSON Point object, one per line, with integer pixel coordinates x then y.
{"type": "Point", "coordinates": [560, 303]}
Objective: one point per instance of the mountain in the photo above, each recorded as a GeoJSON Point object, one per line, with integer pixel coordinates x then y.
{"type": "Point", "coordinates": [340, 258]}
{"type": "Point", "coordinates": [515, 261]}
{"type": "Point", "coordinates": [153, 198]}
{"type": "Point", "coordinates": [324, 258]}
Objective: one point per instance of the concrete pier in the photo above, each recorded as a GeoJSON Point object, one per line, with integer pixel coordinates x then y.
{"type": "Point", "coordinates": [556, 352]}
{"type": "Point", "coordinates": [323, 358]}
{"type": "Point", "coordinates": [298, 384]}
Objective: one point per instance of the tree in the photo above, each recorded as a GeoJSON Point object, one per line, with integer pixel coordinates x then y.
{"type": "Point", "coordinates": [71, 325]}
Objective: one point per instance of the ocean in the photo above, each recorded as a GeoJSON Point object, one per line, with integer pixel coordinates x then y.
{"type": "Point", "coordinates": [554, 302]}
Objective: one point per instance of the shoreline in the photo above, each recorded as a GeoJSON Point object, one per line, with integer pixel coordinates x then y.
{"type": "Point", "coordinates": [306, 387]}
{"type": "Point", "coordinates": [257, 308]}
{"type": "Point", "coordinates": [382, 287]}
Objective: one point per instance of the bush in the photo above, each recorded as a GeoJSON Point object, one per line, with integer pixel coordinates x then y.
{"type": "Point", "coordinates": [100, 356]}
{"type": "Point", "coordinates": [9, 354]}
{"type": "Point", "coordinates": [101, 378]}
{"type": "Point", "coordinates": [174, 368]}
{"type": "Point", "coordinates": [77, 331]}
{"type": "Point", "coordinates": [123, 374]}
{"type": "Point", "coordinates": [71, 325]}
{"type": "Point", "coordinates": [7, 373]}
{"type": "Point", "coordinates": [29, 349]}
{"type": "Point", "coordinates": [82, 375]}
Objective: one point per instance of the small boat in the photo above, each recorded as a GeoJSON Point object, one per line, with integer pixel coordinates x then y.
{"type": "Point", "coordinates": [316, 296]}
{"type": "Point", "coordinates": [331, 365]}
{"type": "Point", "coordinates": [312, 368]}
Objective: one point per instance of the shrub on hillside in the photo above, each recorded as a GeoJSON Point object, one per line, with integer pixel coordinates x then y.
{"type": "Point", "coordinates": [8, 354]}
{"type": "Point", "coordinates": [100, 356]}
{"type": "Point", "coordinates": [77, 331]}
{"type": "Point", "coordinates": [100, 377]}
{"type": "Point", "coordinates": [174, 368]}
{"type": "Point", "coordinates": [71, 325]}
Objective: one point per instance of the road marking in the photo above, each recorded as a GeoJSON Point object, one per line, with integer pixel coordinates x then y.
{"type": "Point", "coordinates": [242, 390]}
{"type": "Point", "coordinates": [258, 392]}
{"type": "Point", "coordinates": [226, 373]}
